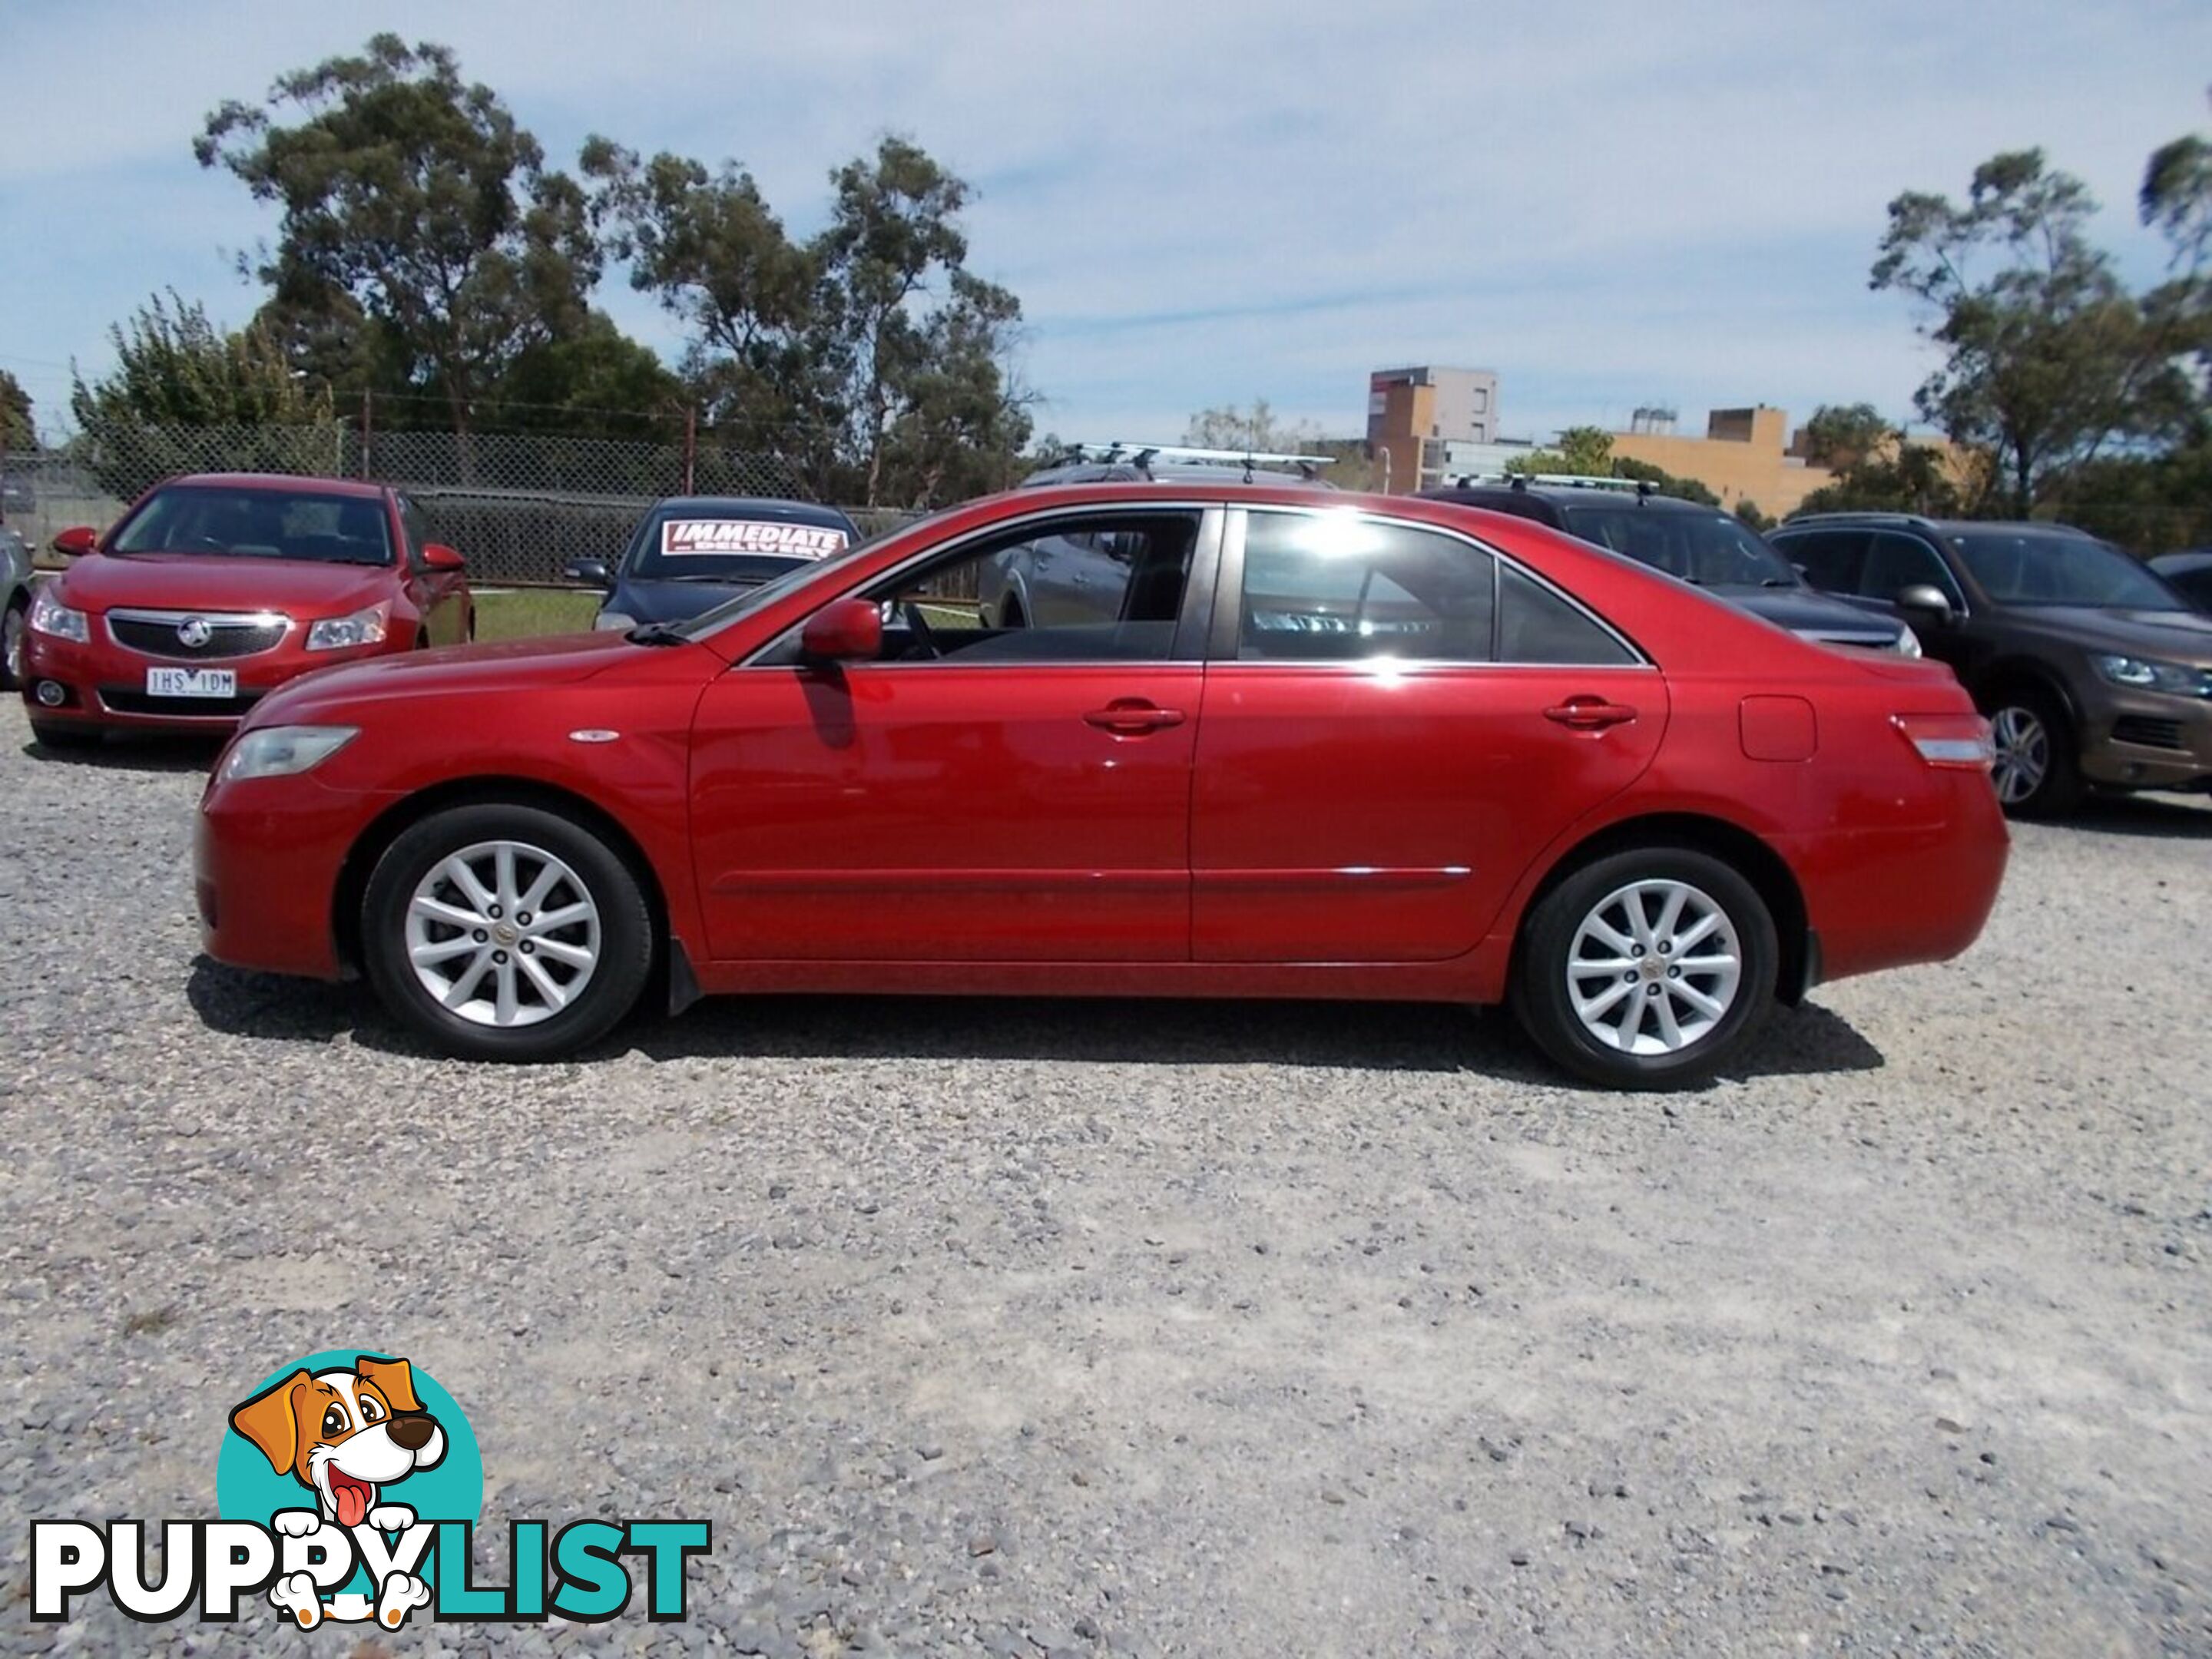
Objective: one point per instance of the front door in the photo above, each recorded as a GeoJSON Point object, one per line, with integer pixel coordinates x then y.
{"type": "Point", "coordinates": [1395, 724]}
{"type": "Point", "coordinates": [975, 793]}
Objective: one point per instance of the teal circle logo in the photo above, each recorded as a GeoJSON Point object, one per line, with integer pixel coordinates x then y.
{"type": "Point", "coordinates": [349, 1435]}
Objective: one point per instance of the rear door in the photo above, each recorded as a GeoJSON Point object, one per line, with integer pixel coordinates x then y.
{"type": "Point", "coordinates": [1396, 720]}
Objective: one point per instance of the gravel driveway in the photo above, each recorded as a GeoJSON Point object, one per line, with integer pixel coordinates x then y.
{"type": "Point", "coordinates": [1123, 1328]}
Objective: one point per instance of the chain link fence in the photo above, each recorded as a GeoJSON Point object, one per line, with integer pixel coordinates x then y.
{"type": "Point", "coordinates": [519, 505]}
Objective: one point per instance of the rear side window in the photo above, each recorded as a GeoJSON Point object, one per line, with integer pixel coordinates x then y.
{"type": "Point", "coordinates": [1535, 625]}
{"type": "Point", "coordinates": [1337, 587]}
{"type": "Point", "coordinates": [1831, 559]}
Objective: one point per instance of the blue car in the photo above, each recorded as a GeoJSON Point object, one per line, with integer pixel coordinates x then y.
{"type": "Point", "coordinates": [691, 552]}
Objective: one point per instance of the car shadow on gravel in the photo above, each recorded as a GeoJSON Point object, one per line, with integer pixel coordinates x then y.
{"type": "Point", "coordinates": [1375, 1037]}
{"type": "Point", "coordinates": [126, 754]}
{"type": "Point", "coordinates": [2178, 817]}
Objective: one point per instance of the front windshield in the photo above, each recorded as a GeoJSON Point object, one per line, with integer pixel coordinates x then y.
{"type": "Point", "coordinates": [730, 547]}
{"type": "Point", "coordinates": [301, 525]}
{"type": "Point", "coordinates": [1710, 548]}
{"type": "Point", "coordinates": [2057, 567]}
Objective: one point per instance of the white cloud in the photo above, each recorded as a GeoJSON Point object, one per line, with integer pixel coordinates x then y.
{"type": "Point", "coordinates": [1619, 202]}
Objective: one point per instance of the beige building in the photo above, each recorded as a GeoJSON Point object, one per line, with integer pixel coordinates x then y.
{"type": "Point", "coordinates": [1413, 413]}
{"type": "Point", "coordinates": [1745, 455]}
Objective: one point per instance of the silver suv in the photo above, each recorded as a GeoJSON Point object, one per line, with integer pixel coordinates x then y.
{"type": "Point", "coordinates": [14, 604]}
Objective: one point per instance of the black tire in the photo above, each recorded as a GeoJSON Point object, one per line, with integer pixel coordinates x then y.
{"type": "Point", "coordinates": [14, 625]}
{"type": "Point", "coordinates": [1541, 1001]}
{"type": "Point", "coordinates": [625, 954]}
{"type": "Point", "coordinates": [58, 736]}
{"type": "Point", "coordinates": [2057, 790]}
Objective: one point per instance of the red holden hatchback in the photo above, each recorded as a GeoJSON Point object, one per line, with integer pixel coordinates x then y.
{"type": "Point", "coordinates": [213, 590]}
{"type": "Point", "coordinates": [1361, 746]}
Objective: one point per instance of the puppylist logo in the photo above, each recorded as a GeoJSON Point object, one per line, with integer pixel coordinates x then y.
{"type": "Point", "coordinates": [349, 1488]}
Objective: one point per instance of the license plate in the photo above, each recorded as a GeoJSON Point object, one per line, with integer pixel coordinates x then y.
{"type": "Point", "coordinates": [191, 682]}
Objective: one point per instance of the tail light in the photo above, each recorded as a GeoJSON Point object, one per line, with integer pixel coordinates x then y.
{"type": "Point", "coordinates": [1958, 740]}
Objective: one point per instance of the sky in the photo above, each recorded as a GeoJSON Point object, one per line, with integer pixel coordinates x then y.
{"type": "Point", "coordinates": [1609, 204]}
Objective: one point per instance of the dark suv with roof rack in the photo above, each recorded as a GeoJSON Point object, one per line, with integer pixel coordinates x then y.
{"type": "Point", "coordinates": [2092, 670]}
{"type": "Point", "coordinates": [1700, 544]}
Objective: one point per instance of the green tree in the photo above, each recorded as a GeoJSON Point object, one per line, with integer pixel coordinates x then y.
{"type": "Point", "coordinates": [17, 430]}
{"type": "Point", "coordinates": [1665, 482]}
{"type": "Point", "coordinates": [1255, 431]}
{"type": "Point", "coordinates": [1584, 450]}
{"type": "Point", "coordinates": [2047, 358]}
{"type": "Point", "coordinates": [1909, 478]}
{"type": "Point", "coordinates": [1841, 435]}
{"type": "Point", "coordinates": [413, 208]}
{"type": "Point", "coordinates": [1748, 515]}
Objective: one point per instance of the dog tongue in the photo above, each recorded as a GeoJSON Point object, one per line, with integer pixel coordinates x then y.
{"type": "Point", "coordinates": [352, 1501]}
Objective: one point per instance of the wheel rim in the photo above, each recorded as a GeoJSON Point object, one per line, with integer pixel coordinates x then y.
{"type": "Point", "coordinates": [502, 933]}
{"type": "Point", "coordinates": [1653, 967]}
{"type": "Point", "coordinates": [11, 645]}
{"type": "Point", "coordinates": [2023, 747]}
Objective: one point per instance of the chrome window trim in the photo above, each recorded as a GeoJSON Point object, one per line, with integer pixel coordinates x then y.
{"type": "Point", "coordinates": [1233, 609]}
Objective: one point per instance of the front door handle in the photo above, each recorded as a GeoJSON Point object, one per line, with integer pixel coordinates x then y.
{"type": "Point", "coordinates": [1133, 717]}
{"type": "Point", "coordinates": [1588, 713]}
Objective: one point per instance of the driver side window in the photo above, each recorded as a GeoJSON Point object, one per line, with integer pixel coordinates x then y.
{"type": "Point", "coordinates": [1108, 588]}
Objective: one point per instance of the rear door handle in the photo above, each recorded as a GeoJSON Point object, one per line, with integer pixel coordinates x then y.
{"type": "Point", "coordinates": [1590, 713]}
{"type": "Point", "coordinates": [1133, 717]}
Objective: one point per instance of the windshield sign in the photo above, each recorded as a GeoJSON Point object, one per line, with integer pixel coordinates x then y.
{"type": "Point", "coordinates": [682, 537]}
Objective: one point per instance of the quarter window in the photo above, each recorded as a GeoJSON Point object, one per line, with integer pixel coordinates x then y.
{"type": "Point", "coordinates": [1535, 625]}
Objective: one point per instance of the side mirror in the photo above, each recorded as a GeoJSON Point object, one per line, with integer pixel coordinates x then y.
{"type": "Point", "coordinates": [848, 630]}
{"type": "Point", "coordinates": [592, 573]}
{"type": "Point", "coordinates": [436, 555]}
{"type": "Point", "coordinates": [76, 541]}
{"type": "Point", "coordinates": [1925, 602]}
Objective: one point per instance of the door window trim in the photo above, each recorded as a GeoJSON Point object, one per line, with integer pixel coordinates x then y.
{"type": "Point", "coordinates": [1192, 620]}
{"type": "Point", "coordinates": [1225, 636]}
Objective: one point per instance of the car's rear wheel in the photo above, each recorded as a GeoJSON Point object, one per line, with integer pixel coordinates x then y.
{"type": "Point", "coordinates": [1649, 969]}
{"type": "Point", "coordinates": [506, 932]}
{"type": "Point", "coordinates": [13, 628]}
{"type": "Point", "coordinates": [2038, 774]}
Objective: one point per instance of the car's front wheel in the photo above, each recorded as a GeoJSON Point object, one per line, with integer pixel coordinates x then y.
{"type": "Point", "coordinates": [2038, 774]}
{"type": "Point", "coordinates": [506, 932]}
{"type": "Point", "coordinates": [1649, 969]}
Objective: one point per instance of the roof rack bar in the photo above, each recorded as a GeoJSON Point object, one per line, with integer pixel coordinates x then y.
{"type": "Point", "coordinates": [1568, 480]}
{"type": "Point", "coordinates": [1145, 453]}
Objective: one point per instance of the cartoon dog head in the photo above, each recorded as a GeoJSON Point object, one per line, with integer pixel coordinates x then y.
{"type": "Point", "coordinates": [343, 1433]}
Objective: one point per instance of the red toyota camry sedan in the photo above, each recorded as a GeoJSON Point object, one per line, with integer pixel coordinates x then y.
{"type": "Point", "coordinates": [1338, 746]}
{"type": "Point", "coordinates": [212, 590]}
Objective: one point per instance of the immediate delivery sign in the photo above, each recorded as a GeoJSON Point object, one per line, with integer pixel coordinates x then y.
{"type": "Point", "coordinates": [791, 541]}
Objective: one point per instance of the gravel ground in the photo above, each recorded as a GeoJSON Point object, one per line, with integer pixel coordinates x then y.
{"type": "Point", "coordinates": [1129, 1329]}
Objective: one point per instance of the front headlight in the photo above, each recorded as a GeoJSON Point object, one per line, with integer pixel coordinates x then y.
{"type": "Point", "coordinates": [278, 752]}
{"type": "Point", "coordinates": [1908, 642]}
{"type": "Point", "coordinates": [2147, 674]}
{"type": "Point", "coordinates": [50, 616]}
{"type": "Point", "coordinates": [613, 619]}
{"type": "Point", "coordinates": [341, 633]}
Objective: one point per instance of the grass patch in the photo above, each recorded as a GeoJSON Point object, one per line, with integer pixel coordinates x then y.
{"type": "Point", "coordinates": [517, 613]}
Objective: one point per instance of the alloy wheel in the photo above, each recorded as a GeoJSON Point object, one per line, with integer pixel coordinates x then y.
{"type": "Point", "coordinates": [1654, 967]}
{"type": "Point", "coordinates": [502, 933]}
{"type": "Point", "coordinates": [2023, 746]}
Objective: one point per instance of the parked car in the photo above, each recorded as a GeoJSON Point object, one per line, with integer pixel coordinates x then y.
{"type": "Point", "coordinates": [2188, 573]}
{"type": "Point", "coordinates": [692, 552]}
{"type": "Point", "coordinates": [213, 590]}
{"type": "Point", "coordinates": [1698, 544]}
{"type": "Point", "coordinates": [2092, 670]}
{"type": "Point", "coordinates": [14, 604]}
{"type": "Point", "coordinates": [1384, 749]}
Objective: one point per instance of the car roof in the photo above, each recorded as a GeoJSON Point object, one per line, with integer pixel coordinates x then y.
{"type": "Point", "coordinates": [718, 505]}
{"type": "Point", "coordinates": [1127, 472]}
{"type": "Point", "coordinates": [291, 483]}
{"type": "Point", "coordinates": [1567, 495]}
{"type": "Point", "coordinates": [2189, 558]}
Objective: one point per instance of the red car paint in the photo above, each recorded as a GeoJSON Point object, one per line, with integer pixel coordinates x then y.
{"type": "Point", "coordinates": [1345, 830]}
{"type": "Point", "coordinates": [104, 679]}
